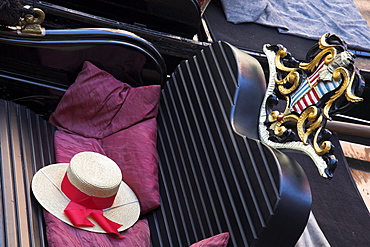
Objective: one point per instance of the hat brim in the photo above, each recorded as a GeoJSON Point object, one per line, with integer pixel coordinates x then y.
{"type": "Point", "coordinates": [51, 198]}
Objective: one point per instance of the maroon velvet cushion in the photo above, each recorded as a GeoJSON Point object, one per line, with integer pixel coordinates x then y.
{"type": "Point", "coordinates": [98, 105]}
{"type": "Point", "coordinates": [67, 145]}
{"type": "Point", "coordinates": [60, 235]}
{"type": "Point", "coordinates": [220, 240]}
{"type": "Point", "coordinates": [99, 113]}
{"type": "Point", "coordinates": [137, 146]}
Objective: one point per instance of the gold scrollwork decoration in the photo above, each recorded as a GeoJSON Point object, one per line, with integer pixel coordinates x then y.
{"type": "Point", "coordinates": [273, 116]}
{"type": "Point", "coordinates": [349, 94]}
{"type": "Point", "coordinates": [313, 91]}
{"type": "Point", "coordinates": [279, 129]}
{"type": "Point", "coordinates": [329, 53]}
{"type": "Point", "coordinates": [325, 146]}
{"type": "Point", "coordinates": [341, 73]}
{"type": "Point", "coordinates": [279, 119]}
{"type": "Point", "coordinates": [311, 114]}
{"type": "Point", "coordinates": [292, 79]}
{"type": "Point", "coordinates": [323, 44]}
{"type": "Point", "coordinates": [304, 130]}
{"type": "Point", "coordinates": [281, 53]}
{"type": "Point", "coordinates": [327, 50]}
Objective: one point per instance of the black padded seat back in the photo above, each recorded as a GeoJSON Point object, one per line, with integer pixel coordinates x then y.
{"type": "Point", "coordinates": [213, 179]}
{"type": "Point", "coordinates": [26, 142]}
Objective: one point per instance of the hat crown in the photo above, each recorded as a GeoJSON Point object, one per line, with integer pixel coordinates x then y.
{"type": "Point", "coordinates": [94, 174]}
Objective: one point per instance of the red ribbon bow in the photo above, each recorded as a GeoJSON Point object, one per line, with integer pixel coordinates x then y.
{"type": "Point", "coordinates": [83, 205]}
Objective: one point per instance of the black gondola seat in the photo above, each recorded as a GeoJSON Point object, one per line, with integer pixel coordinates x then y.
{"type": "Point", "coordinates": [213, 179]}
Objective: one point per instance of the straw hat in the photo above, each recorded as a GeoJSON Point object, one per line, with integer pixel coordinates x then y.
{"type": "Point", "coordinates": [98, 180]}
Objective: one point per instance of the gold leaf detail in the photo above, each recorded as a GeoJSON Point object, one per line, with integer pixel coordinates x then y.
{"type": "Point", "coordinates": [325, 146]}
{"type": "Point", "coordinates": [349, 94]}
{"type": "Point", "coordinates": [338, 74]}
{"type": "Point", "coordinates": [311, 114]}
{"type": "Point", "coordinates": [279, 129]}
{"type": "Point", "coordinates": [329, 54]}
{"type": "Point", "coordinates": [281, 54]}
{"type": "Point", "coordinates": [292, 79]}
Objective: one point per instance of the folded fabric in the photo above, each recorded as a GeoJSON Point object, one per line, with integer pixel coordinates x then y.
{"type": "Point", "coordinates": [220, 240]}
{"type": "Point", "coordinates": [309, 19]}
{"type": "Point", "coordinates": [110, 117]}
{"type": "Point", "coordinates": [65, 235]}
{"type": "Point", "coordinates": [101, 114]}
{"type": "Point", "coordinates": [136, 147]}
{"type": "Point", "coordinates": [97, 105]}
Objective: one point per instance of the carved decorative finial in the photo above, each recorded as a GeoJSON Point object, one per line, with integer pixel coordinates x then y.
{"type": "Point", "coordinates": [302, 97]}
{"type": "Point", "coordinates": [30, 24]}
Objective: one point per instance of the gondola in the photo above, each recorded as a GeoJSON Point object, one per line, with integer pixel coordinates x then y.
{"type": "Point", "coordinates": [215, 174]}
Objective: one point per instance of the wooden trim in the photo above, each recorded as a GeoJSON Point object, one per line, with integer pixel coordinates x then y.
{"type": "Point", "coordinates": [355, 151]}
{"type": "Point", "coordinates": [349, 128]}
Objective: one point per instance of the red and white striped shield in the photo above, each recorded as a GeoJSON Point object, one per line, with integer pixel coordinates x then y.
{"type": "Point", "coordinates": [311, 91]}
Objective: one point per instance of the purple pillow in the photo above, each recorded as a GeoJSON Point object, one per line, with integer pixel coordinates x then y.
{"type": "Point", "coordinates": [60, 235]}
{"type": "Point", "coordinates": [220, 240]}
{"type": "Point", "coordinates": [99, 113]}
{"type": "Point", "coordinates": [98, 105]}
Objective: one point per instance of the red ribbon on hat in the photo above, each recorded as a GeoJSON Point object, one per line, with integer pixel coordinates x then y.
{"type": "Point", "coordinates": [83, 205]}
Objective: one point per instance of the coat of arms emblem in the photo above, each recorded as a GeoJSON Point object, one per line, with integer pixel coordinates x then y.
{"type": "Point", "coordinates": [301, 97]}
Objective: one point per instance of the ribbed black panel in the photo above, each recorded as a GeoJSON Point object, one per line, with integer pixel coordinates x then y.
{"type": "Point", "coordinates": [212, 180]}
{"type": "Point", "coordinates": [26, 142]}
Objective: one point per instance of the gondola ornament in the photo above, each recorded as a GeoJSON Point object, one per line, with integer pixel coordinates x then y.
{"type": "Point", "coordinates": [25, 19]}
{"type": "Point", "coordinates": [302, 97]}
{"type": "Point", "coordinates": [31, 22]}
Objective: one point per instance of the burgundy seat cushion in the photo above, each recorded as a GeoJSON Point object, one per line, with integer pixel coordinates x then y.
{"type": "Point", "coordinates": [219, 240]}
{"type": "Point", "coordinates": [99, 113]}
{"type": "Point", "coordinates": [61, 235]}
